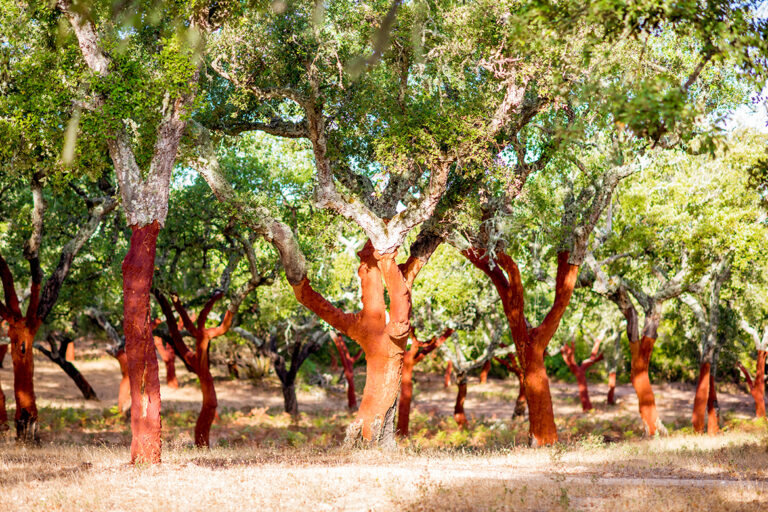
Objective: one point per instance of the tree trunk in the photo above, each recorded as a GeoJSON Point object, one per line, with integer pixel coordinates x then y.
{"type": "Point", "coordinates": [447, 378]}
{"type": "Point", "coordinates": [521, 404]}
{"type": "Point", "coordinates": [758, 388]}
{"type": "Point", "coordinates": [541, 416]}
{"type": "Point", "coordinates": [458, 409]}
{"type": "Point", "coordinates": [376, 416]}
{"type": "Point", "coordinates": [169, 359]}
{"type": "Point", "coordinates": [138, 268]}
{"type": "Point", "coordinates": [3, 413]}
{"type": "Point", "coordinates": [641, 358]}
{"type": "Point", "coordinates": [210, 403]}
{"type": "Point", "coordinates": [22, 337]}
{"type": "Point", "coordinates": [611, 388]}
{"type": "Point", "coordinates": [70, 355]}
{"type": "Point", "coordinates": [291, 404]}
{"type": "Point", "coordinates": [3, 351]}
{"type": "Point", "coordinates": [712, 407]}
{"type": "Point", "coordinates": [124, 393]}
{"type": "Point", "coordinates": [578, 371]}
{"type": "Point", "coordinates": [700, 401]}
{"type": "Point", "coordinates": [484, 372]}
{"type": "Point", "coordinates": [406, 392]}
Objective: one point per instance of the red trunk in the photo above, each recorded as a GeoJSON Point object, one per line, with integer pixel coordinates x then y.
{"type": "Point", "coordinates": [383, 340]}
{"type": "Point", "coordinates": [458, 409]}
{"type": "Point", "coordinates": [580, 370]}
{"type": "Point", "coordinates": [413, 356]}
{"type": "Point", "coordinates": [169, 359]}
{"type": "Point", "coordinates": [210, 403]}
{"type": "Point", "coordinates": [22, 336]}
{"type": "Point", "coordinates": [138, 268]}
{"type": "Point", "coordinates": [348, 363]}
{"type": "Point", "coordinates": [70, 354]}
{"type": "Point", "coordinates": [611, 388]}
{"type": "Point", "coordinates": [447, 378]}
{"type": "Point", "coordinates": [758, 390]}
{"type": "Point", "coordinates": [531, 343]}
{"type": "Point", "coordinates": [700, 401]}
{"type": "Point", "coordinates": [712, 421]}
{"type": "Point", "coordinates": [641, 357]}
{"type": "Point", "coordinates": [124, 392]}
{"type": "Point", "coordinates": [510, 362]}
{"type": "Point", "coordinates": [757, 386]}
{"type": "Point", "coordinates": [3, 413]}
{"type": "Point", "coordinates": [541, 416]}
{"type": "Point", "coordinates": [406, 391]}
{"type": "Point", "coordinates": [484, 372]}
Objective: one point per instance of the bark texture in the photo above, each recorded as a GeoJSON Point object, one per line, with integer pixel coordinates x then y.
{"type": "Point", "coordinates": [530, 342]}
{"type": "Point", "coordinates": [138, 269]}
{"type": "Point", "coordinates": [461, 395]}
{"type": "Point", "coordinates": [169, 360]}
{"type": "Point", "coordinates": [415, 354]}
{"type": "Point", "coordinates": [510, 362]}
{"type": "Point", "coordinates": [382, 340]}
{"type": "Point", "coordinates": [348, 364]}
{"type": "Point", "coordinates": [579, 370]}
{"type": "Point", "coordinates": [757, 385]}
{"type": "Point", "coordinates": [198, 360]}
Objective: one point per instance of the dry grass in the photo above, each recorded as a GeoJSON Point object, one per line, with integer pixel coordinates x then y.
{"type": "Point", "coordinates": [264, 460]}
{"type": "Point", "coordinates": [729, 472]}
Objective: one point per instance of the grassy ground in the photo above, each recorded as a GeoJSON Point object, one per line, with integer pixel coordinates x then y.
{"type": "Point", "coordinates": [262, 459]}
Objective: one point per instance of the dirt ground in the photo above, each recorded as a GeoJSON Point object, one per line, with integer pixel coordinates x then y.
{"type": "Point", "coordinates": [494, 399]}
{"type": "Point", "coordinates": [90, 472]}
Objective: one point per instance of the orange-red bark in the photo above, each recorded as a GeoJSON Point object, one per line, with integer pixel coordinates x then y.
{"type": "Point", "coordinates": [417, 352]}
{"type": "Point", "coordinates": [138, 268]}
{"type": "Point", "coordinates": [611, 388]}
{"type": "Point", "coordinates": [348, 363]}
{"type": "Point", "coordinates": [70, 354]}
{"type": "Point", "coordinates": [510, 362]}
{"type": "Point", "coordinates": [712, 421]}
{"type": "Point", "coordinates": [458, 409]}
{"type": "Point", "coordinates": [447, 376]}
{"type": "Point", "coordinates": [169, 359]}
{"type": "Point", "coordinates": [531, 343]}
{"type": "Point", "coordinates": [382, 341]}
{"type": "Point", "coordinates": [580, 370]}
{"type": "Point", "coordinates": [757, 386]}
{"type": "Point", "coordinates": [641, 358]}
{"type": "Point", "coordinates": [484, 372]}
{"type": "Point", "coordinates": [124, 392]}
{"type": "Point", "coordinates": [699, 418]}
{"type": "Point", "coordinates": [198, 360]}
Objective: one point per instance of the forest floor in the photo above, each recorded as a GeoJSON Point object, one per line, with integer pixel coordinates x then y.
{"type": "Point", "coordinates": [262, 459]}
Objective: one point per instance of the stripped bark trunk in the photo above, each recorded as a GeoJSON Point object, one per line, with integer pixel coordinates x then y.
{"type": "Point", "coordinates": [531, 343]}
{"type": "Point", "coordinates": [458, 409]}
{"type": "Point", "coordinates": [701, 399]}
{"type": "Point", "coordinates": [712, 407]}
{"type": "Point", "coordinates": [484, 372]}
{"type": "Point", "coordinates": [124, 392]}
{"type": "Point", "coordinates": [382, 341]}
{"type": "Point", "coordinates": [757, 385]}
{"type": "Point", "coordinates": [198, 361]}
{"type": "Point", "coordinates": [510, 362]}
{"type": "Point", "coordinates": [169, 359]}
{"type": "Point", "coordinates": [641, 358]}
{"type": "Point", "coordinates": [416, 353]}
{"type": "Point", "coordinates": [138, 269]}
{"type": "Point", "coordinates": [611, 398]}
{"type": "Point", "coordinates": [348, 364]}
{"type": "Point", "coordinates": [580, 370]}
{"type": "Point", "coordinates": [447, 375]}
